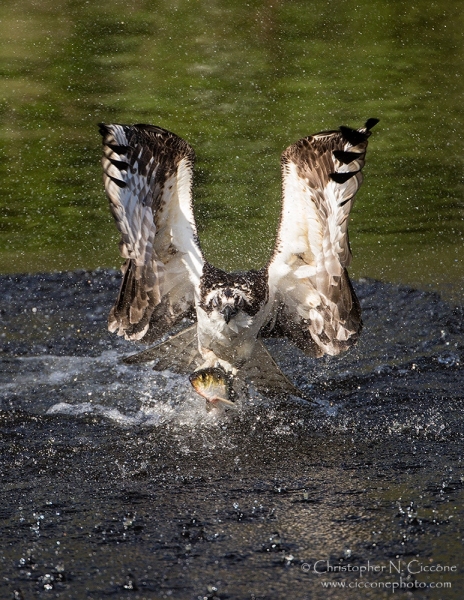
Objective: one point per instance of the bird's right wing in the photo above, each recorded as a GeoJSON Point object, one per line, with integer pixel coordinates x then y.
{"type": "Point", "coordinates": [316, 306]}
{"type": "Point", "coordinates": [147, 173]}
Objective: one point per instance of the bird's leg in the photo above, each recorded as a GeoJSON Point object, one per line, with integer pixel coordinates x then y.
{"type": "Point", "coordinates": [212, 361]}
{"type": "Point", "coordinates": [228, 368]}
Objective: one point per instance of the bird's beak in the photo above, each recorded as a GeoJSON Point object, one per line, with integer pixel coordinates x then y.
{"type": "Point", "coordinates": [228, 312]}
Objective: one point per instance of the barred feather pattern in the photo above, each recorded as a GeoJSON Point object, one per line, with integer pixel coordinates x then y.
{"type": "Point", "coordinates": [147, 173]}
{"type": "Point", "coordinates": [304, 293]}
{"type": "Point", "coordinates": [315, 304]}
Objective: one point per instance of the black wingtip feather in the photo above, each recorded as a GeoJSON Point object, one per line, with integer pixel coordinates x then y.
{"type": "Point", "coordinates": [116, 148]}
{"type": "Point", "coordinates": [353, 136]}
{"type": "Point", "coordinates": [346, 157]}
{"type": "Point", "coordinates": [103, 129]}
{"type": "Point", "coordinates": [118, 182]}
{"type": "Point", "coordinates": [370, 123]}
{"type": "Point", "coordinates": [105, 132]}
{"type": "Point", "coordinates": [119, 164]}
{"type": "Point", "coordinates": [342, 177]}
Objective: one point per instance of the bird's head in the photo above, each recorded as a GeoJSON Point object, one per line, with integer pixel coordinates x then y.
{"type": "Point", "coordinates": [230, 295]}
{"type": "Point", "coordinates": [228, 302]}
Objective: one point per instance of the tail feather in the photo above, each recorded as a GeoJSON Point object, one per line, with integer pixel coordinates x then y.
{"type": "Point", "coordinates": [179, 353]}
{"type": "Point", "coordinates": [263, 373]}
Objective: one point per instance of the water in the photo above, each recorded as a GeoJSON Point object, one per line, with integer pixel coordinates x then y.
{"type": "Point", "coordinates": [117, 482]}
{"type": "Point", "coordinates": [240, 81]}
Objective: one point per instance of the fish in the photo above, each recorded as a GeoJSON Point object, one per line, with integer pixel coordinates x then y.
{"type": "Point", "coordinates": [213, 384]}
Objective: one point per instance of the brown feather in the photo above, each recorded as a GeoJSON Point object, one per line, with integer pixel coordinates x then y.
{"type": "Point", "coordinates": [141, 172]}
{"type": "Point", "coordinates": [316, 306]}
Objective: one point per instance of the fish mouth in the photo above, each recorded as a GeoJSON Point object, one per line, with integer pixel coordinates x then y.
{"type": "Point", "coordinates": [213, 384]}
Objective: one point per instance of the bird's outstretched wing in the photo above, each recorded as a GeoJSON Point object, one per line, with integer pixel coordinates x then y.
{"type": "Point", "coordinates": [147, 173]}
{"type": "Point", "coordinates": [315, 304]}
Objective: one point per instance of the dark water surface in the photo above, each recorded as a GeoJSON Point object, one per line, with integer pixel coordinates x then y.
{"type": "Point", "coordinates": [116, 483]}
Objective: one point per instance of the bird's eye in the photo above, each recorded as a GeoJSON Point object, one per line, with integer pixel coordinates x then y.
{"type": "Point", "coordinates": [239, 302]}
{"type": "Point", "coordinates": [215, 302]}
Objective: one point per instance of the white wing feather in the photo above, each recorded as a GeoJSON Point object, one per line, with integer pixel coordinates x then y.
{"type": "Point", "coordinates": [148, 181]}
{"type": "Point", "coordinates": [315, 304]}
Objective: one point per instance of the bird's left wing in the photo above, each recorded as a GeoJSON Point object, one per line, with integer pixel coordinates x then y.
{"type": "Point", "coordinates": [315, 304]}
{"type": "Point", "coordinates": [147, 173]}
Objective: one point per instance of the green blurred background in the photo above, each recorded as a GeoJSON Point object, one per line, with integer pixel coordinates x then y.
{"type": "Point", "coordinates": [240, 80]}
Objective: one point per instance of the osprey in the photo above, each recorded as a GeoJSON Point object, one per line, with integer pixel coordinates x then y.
{"type": "Point", "coordinates": [303, 293]}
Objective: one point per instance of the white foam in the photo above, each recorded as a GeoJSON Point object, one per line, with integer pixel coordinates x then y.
{"type": "Point", "coordinates": [102, 385]}
{"type": "Point", "coordinates": [127, 395]}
